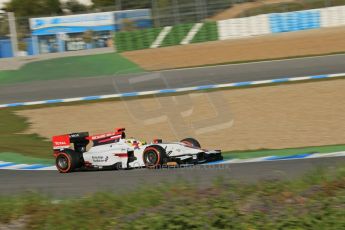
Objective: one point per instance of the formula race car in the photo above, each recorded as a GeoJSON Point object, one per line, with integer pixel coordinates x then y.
{"type": "Point", "coordinates": [114, 151]}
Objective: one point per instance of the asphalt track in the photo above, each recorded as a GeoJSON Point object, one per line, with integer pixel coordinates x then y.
{"type": "Point", "coordinates": [78, 184]}
{"type": "Point", "coordinates": [83, 183]}
{"type": "Point", "coordinates": [59, 89]}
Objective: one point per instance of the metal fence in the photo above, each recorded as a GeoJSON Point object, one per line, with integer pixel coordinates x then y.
{"type": "Point", "coordinates": [177, 12]}
{"type": "Point", "coordinates": [195, 11]}
{"type": "Point", "coordinates": [181, 11]}
{"type": "Point", "coordinates": [234, 28]}
{"type": "Point", "coordinates": [192, 11]}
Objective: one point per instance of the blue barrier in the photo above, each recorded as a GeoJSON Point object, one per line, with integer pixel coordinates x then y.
{"type": "Point", "coordinates": [5, 49]}
{"type": "Point", "coordinates": [30, 46]}
{"type": "Point", "coordinates": [294, 21]}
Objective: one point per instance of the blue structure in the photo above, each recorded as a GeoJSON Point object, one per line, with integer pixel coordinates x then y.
{"type": "Point", "coordinates": [5, 48]}
{"type": "Point", "coordinates": [294, 21]}
{"type": "Point", "coordinates": [63, 33]}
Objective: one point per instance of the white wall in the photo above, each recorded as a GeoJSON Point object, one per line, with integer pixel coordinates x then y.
{"type": "Point", "coordinates": [243, 27]}
{"type": "Point", "coordinates": [333, 16]}
{"type": "Point", "coordinates": [260, 25]}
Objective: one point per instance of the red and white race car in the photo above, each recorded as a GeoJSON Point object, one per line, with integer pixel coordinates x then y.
{"type": "Point", "coordinates": [114, 151]}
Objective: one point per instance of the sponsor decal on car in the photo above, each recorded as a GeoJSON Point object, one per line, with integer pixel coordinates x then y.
{"type": "Point", "coordinates": [100, 158]}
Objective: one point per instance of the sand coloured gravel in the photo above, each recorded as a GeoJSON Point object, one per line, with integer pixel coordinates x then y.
{"type": "Point", "coordinates": [310, 42]}
{"type": "Point", "coordinates": [271, 117]}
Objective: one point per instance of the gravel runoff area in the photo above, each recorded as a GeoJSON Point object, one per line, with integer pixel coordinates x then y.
{"type": "Point", "coordinates": [303, 43]}
{"type": "Point", "coordinates": [271, 117]}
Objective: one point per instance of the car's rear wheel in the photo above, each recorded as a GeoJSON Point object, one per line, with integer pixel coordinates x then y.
{"type": "Point", "coordinates": [68, 161]}
{"type": "Point", "coordinates": [191, 142]}
{"type": "Point", "coordinates": [154, 156]}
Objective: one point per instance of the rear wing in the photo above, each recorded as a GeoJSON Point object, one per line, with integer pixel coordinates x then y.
{"type": "Point", "coordinates": [80, 140]}
{"type": "Point", "coordinates": [106, 138]}
{"type": "Point", "coordinates": [65, 141]}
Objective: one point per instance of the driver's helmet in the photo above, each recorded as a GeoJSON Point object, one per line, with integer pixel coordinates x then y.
{"type": "Point", "coordinates": [135, 143]}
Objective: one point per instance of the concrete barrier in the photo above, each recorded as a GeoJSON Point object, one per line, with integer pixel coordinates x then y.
{"type": "Point", "coordinates": [281, 22]}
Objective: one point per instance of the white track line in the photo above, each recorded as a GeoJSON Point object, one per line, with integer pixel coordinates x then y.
{"type": "Point", "coordinates": [16, 167]}
{"type": "Point", "coordinates": [321, 155]}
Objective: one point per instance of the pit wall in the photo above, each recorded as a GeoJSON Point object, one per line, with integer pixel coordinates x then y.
{"type": "Point", "coordinates": [231, 28]}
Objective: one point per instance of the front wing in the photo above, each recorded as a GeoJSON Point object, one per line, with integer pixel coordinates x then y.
{"type": "Point", "coordinates": [199, 158]}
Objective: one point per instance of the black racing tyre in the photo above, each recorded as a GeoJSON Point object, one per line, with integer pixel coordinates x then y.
{"type": "Point", "coordinates": [118, 166]}
{"type": "Point", "coordinates": [68, 161]}
{"type": "Point", "coordinates": [191, 142]}
{"type": "Point", "coordinates": [155, 156]}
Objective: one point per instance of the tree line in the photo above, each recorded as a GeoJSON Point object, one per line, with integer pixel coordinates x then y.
{"type": "Point", "coordinates": [34, 8]}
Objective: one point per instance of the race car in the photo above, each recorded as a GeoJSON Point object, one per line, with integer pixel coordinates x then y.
{"type": "Point", "coordinates": [113, 150]}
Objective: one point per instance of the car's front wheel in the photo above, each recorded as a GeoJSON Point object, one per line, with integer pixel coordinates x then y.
{"type": "Point", "coordinates": [154, 156]}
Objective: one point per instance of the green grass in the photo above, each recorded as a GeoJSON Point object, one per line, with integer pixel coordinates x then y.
{"type": "Point", "coordinates": [314, 201]}
{"type": "Point", "coordinates": [23, 159]}
{"type": "Point", "coordinates": [71, 67]}
{"type": "Point", "coordinates": [13, 141]}
{"type": "Point", "coordinates": [290, 6]}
